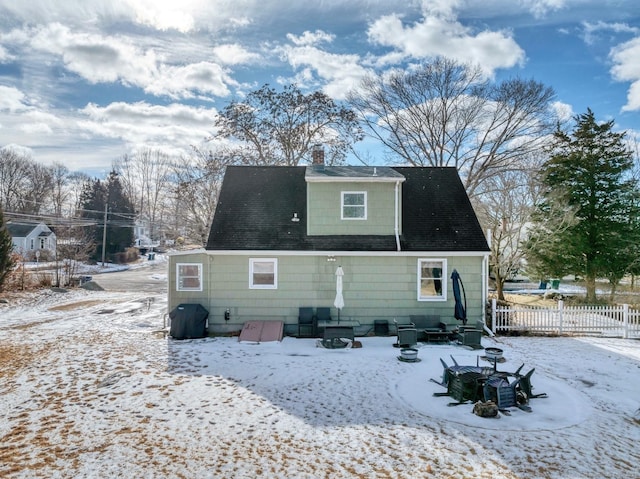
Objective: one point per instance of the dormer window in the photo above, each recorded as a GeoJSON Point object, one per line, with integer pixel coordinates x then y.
{"type": "Point", "coordinates": [354, 205]}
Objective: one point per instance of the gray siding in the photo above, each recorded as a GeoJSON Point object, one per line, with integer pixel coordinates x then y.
{"type": "Point", "coordinates": [383, 287]}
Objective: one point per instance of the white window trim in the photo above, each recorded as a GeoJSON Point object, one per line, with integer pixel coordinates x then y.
{"type": "Point", "coordinates": [252, 261]}
{"type": "Point", "coordinates": [342, 205]}
{"type": "Point", "coordinates": [443, 297]}
{"type": "Point", "coordinates": [178, 287]}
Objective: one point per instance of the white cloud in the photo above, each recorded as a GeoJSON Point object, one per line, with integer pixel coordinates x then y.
{"type": "Point", "coordinates": [166, 15]}
{"type": "Point", "coordinates": [441, 8]}
{"type": "Point", "coordinates": [181, 81]}
{"type": "Point", "coordinates": [627, 69]}
{"type": "Point", "coordinates": [172, 126]}
{"type": "Point", "coordinates": [97, 58]}
{"type": "Point", "coordinates": [5, 56]}
{"type": "Point", "coordinates": [162, 15]}
{"type": "Point", "coordinates": [104, 59]}
{"type": "Point", "coordinates": [12, 99]}
{"type": "Point", "coordinates": [439, 34]}
{"type": "Point", "coordinates": [563, 111]}
{"type": "Point", "coordinates": [310, 38]}
{"type": "Point", "coordinates": [340, 73]}
{"type": "Point", "coordinates": [540, 8]}
{"type": "Point", "coordinates": [234, 54]}
{"type": "Point", "coordinates": [591, 30]}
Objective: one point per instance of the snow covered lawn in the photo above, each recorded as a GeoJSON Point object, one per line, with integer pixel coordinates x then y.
{"type": "Point", "coordinates": [91, 389]}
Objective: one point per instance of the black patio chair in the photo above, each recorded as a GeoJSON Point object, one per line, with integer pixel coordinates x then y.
{"type": "Point", "coordinates": [527, 388]}
{"type": "Point", "coordinates": [306, 323]}
{"type": "Point", "coordinates": [407, 335]}
{"type": "Point", "coordinates": [323, 314]}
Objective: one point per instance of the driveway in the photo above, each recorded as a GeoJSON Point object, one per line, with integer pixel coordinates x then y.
{"type": "Point", "coordinates": [148, 277]}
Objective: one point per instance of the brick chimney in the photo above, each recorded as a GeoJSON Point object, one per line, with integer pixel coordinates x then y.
{"type": "Point", "coordinates": [317, 155]}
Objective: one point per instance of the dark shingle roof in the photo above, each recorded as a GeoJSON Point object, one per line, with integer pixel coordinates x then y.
{"type": "Point", "coordinates": [20, 230]}
{"type": "Point", "coordinates": [256, 205]}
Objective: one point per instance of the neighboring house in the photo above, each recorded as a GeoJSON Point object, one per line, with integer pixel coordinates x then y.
{"type": "Point", "coordinates": [279, 234]}
{"type": "Point", "coordinates": [142, 232]}
{"type": "Point", "coordinates": [29, 238]}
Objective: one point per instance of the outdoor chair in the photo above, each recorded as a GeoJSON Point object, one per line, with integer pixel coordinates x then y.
{"type": "Point", "coordinates": [498, 390]}
{"type": "Point", "coordinates": [527, 388]}
{"type": "Point", "coordinates": [470, 336]}
{"type": "Point", "coordinates": [306, 323]}
{"type": "Point", "coordinates": [323, 314]}
{"type": "Point", "coordinates": [407, 335]}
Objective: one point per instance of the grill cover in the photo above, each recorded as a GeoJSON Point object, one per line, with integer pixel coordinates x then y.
{"type": "Point", "coordinates": [188, 321]}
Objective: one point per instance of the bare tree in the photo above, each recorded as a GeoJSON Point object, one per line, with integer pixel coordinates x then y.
{"type": "Point", "coordinates": [281, 128]}
{"type": "Point", "coordinates": [74, 246]}
{"type": "Point", "coordinates": [14, 179]}
{"type": "Point", "coordinates": [25, 185]}
{"type": "Point", "coordinates": [146, 180]}
{"type": "Point", "coordinates": [36, 198]}
{"type": "Point", "coordinates": [198, 180]}
{"type": "Point", "coordinates": [446, 114]}
{"type": "Point", "coordinates": [76, 183]}
{"type": "Point", "coordinates": [60, 193]}
{"type": "Point", "coordinates": [505, 206]}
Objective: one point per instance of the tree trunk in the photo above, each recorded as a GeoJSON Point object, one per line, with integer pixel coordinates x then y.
{"type": "Point", "coordinates": [614, 289]}
{"type": "Point", "coordinates": [591, 289]}
{"type": "Point", "coordinates": [500, 288]}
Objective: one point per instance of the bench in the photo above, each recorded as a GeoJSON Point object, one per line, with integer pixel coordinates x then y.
{"type": "Point", "coordinates": [430, 328]}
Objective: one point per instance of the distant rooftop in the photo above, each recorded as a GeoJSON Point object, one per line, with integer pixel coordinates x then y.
{"type": "Point", "coordinates": [318, 173]}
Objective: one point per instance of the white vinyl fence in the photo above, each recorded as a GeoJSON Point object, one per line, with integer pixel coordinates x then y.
{"type": "Point", "coordinates": [613, 321]}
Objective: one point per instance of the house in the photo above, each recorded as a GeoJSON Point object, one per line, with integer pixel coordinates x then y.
{"type": "Point", "coordinates": [280, 233]}
{"type": "Point", "coordinates": [33, 240]}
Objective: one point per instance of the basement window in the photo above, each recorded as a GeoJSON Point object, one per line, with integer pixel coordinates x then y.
{"type": "Point", "coordinates": [189, 277]}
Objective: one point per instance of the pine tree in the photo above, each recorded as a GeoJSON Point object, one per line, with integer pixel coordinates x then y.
{"type": "Point", "coordinates": [120, 214]}
{"type": "Point", "coordinates": [589, 176]}
{"type": "Point", "coordinates": [6, 247]}
{"type": "Point", "coordinates": [120, 229]}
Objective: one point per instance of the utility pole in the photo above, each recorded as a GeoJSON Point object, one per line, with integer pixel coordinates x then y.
{"type": "Point", "coordinates": [104, 233]}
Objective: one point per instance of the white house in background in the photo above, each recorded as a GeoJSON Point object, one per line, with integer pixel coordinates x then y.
{"type": "Point", "coordinates": [29, 238]}
{"type": "Point", "coordinates": [142, 232]}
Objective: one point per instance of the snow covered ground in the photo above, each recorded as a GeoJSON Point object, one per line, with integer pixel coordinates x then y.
{"type": "Point", "coordinates": [91, 388]}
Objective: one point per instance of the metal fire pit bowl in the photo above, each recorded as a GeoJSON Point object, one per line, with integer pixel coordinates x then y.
{"type": "Point", "coordinates": [409, 354]}
{"type": "Point", "coordinates": [493, 353]}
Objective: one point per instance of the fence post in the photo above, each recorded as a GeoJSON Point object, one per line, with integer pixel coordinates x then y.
{"type": "Point", "coordinates": [560, 316]}
{"type": "Point", "coordinates": [493, 315]}
{"type": "Point", "coordinates": [625, 321]}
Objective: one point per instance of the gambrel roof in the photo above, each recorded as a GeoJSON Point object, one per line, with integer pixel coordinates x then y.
{"type": "Point", "coordinates": [257, 204]}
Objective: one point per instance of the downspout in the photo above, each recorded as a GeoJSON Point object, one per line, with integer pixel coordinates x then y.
{"type": "Point", "coordinates": [485, 293]}
{"type": "Point", "coordinates": [485, 286]}
{"type": "Point", "coordinates": [397, 220]}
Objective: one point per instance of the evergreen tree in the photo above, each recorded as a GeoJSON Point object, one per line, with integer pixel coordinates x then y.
{"type": "Point", "coordinates": [120, 224]}
{"type": "Point", "coordinates": [589, 176]}
{"type": "Point", "coordinates": [6, 247]}
{"type": "Point", "coordinates": [120, 214]}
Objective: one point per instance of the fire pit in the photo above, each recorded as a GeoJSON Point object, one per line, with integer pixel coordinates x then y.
{"type": "Point", "coordinates": [493, 354]}
{"type": "Point", "coordinates": [409, 354]}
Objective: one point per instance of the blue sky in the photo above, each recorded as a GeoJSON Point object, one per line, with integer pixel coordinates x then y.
{"type": "Point", "coordinates": [85, 82]}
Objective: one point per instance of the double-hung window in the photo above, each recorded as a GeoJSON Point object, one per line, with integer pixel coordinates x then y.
{"type": "Point", "coordinates": [189, 277]}
{"type": "Point", "coordinates": [263, 273]}
{"type": "Point", "coordinates": [354, 205]}
{"type": "Point", "coordinates": [432, 274]}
